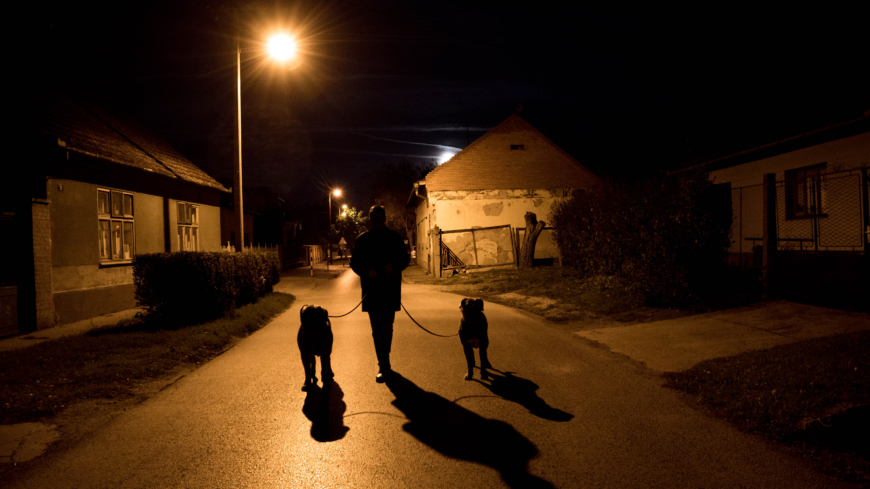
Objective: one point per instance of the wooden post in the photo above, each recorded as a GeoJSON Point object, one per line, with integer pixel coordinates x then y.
{"type": "Point", "coordinates": [436, 252]}
{"type": "Point", "coordinates": [768, 241]}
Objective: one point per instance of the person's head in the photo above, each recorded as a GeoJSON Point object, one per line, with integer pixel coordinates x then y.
{"type": "Point", "coordinates": [378, 216]}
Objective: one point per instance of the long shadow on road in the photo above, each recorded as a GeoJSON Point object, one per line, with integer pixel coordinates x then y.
{"type": "Point", "coordinates": [325, 408]}
{"type": "Point", "coordinates": [459, 433]}
{"type": "Point", "coordinates": [522, 391]}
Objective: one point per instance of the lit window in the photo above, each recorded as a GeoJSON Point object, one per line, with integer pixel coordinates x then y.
{"type": "Point", "coordinates": [188, 227]}
{"type": "Point", "coordinates": [116, 237]}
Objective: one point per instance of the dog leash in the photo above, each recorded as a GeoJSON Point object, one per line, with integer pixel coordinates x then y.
{"type": "Point", "coordinates": [352, 310]}
{"type": "Point", "coordinates": [424, 329]}
{"type": "Point", "coordinates": [406, 312]}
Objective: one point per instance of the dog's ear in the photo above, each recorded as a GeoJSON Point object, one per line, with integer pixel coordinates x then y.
{"type": "Point", "coordinates": [325, 314]}
{"type": "Point", "coordinates": [479, 304]}
{"type": "Point", "coordinates": [463, 303]}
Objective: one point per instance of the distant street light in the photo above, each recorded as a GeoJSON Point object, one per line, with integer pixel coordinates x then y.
{"type": "Point", "coordinates": [281, 47]}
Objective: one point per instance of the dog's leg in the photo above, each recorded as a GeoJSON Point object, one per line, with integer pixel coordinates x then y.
{"type": "Point", "coordinates": [308, 367]}
{"type": "Point", "coordinates": [468, 350]}
{"type": "Point", "coordinates": [484, 359]}
{"type": "Point", "coordinates": [326, 369]}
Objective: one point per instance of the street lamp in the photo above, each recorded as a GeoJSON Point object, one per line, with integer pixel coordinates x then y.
{"type": "Point", "coordinates": [281, 47]}
{"type": "Point", "coordinates": [337, 193]}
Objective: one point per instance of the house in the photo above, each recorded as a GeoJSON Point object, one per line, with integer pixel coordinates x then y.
{"type": "Point", "coordinates": [815, 188]}
{"type": "Point", "coordinates": [478, 198]}
{"type": "Point", "coordinates": [96, 189]}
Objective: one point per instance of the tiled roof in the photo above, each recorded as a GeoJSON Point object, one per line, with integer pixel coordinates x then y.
{"type": "Point", "coordinates": [489, 163]}
{"type": "Point", "coordinates": [85, 128]}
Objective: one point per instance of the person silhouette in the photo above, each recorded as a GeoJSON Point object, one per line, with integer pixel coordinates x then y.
{"type": "Point", "coordinates": [378, 257]}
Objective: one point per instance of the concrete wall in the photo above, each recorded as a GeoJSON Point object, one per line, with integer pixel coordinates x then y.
{"type": "Point", "coordinates": [452, 210]}
{"type": "Point", "coordinates": [78, 285]}
{"type": "Point", "coordinates": [842, 154]}
{"type": "Point", "coordinates": [841, 228]}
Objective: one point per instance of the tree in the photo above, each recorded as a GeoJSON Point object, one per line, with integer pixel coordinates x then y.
{"type": "Point", "coordinates": [391, 187]}
{"type": "Point", "coordinates": [349, 225]}
{"type": "Point", "coordinates": [533, 230]}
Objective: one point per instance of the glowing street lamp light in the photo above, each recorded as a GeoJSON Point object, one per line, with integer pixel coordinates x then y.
{"type": "Point", "coordinates": [281, 47]}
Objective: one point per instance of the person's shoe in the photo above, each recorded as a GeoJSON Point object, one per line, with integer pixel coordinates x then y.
{"type": "Point", "coordinates": [383, 376]}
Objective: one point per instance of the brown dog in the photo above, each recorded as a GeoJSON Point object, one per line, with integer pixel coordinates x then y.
{"type": "Point", "coordinates": [315, 340]}
{"type": "Point", "coordinates": [473, 334]}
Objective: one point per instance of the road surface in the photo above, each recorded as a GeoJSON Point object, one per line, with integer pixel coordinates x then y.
{"type": "Point", "coordinates": [561, 412]}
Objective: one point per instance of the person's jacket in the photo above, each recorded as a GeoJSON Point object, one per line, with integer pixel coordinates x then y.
{"type": "Point", "coordinates": [372, 251]}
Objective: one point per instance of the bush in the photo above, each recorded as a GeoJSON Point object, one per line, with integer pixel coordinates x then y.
{"type": "Point", "coordinates": [666, 238]}
{"type": "Point", "coordinates": [192, 287]}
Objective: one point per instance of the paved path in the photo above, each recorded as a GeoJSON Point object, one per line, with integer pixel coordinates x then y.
{"type": "Point", "coordinates": [562, 413]}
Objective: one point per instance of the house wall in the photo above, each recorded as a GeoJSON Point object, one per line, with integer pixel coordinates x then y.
{"type": "Point", "coordinates": [452, 210]}
{"type": "Point", "coordinates": [209, 226]}
{"type": "Point", "coordinates": [80, 286]}
{"type": "Point", "coordinates": [840, 196]}
{"type": "Point", "coordinates": [846, 153]}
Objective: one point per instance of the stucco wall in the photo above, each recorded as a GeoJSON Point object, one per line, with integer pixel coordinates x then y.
{"type": "Point", "coordinates": [451, 210]}
{"type": "Point", "coordinates": [485, 208]}
{"type": "Point", "coordinates": [81, 286]}
{"type": "Point", "coordinates": [846, 153]}
{"type": "Point", "coordinates": [839, 229]}
{"type": "Point", "coordinates": [209, 228]}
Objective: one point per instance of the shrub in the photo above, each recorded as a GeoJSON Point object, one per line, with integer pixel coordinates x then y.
{"type": "Point", "coordinates": [191, 287]}
{"type": "Point", "coordinates": [666, 238]}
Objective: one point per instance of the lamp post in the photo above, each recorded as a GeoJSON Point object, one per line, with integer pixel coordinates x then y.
{"type": "Point", "coordinates": [337, 193]}
{"type": "Point", "coordinates": [282, 48]}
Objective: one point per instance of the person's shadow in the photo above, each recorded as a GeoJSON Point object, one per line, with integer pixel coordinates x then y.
{"type": "Point", "coordinates": [522, 391]}
{"type": "Point", "coordinates": [459, 433]}
{"type": "Point", "coordinates": [325, 408]}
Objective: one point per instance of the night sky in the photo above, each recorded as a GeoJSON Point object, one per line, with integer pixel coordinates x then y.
{"type": "Point", "coordinates": [626, 92]}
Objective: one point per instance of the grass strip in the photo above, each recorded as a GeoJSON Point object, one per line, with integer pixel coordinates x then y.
{"type": "Point", "coordinates": [41, 380]}
{"type": "Point", "coordinates": [812, 395]}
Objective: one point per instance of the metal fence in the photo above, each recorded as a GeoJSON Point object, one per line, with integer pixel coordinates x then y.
{"type": "Point", "coordinates": [816, 212]}
{"type": "Point", "coordinates": [822, 212]}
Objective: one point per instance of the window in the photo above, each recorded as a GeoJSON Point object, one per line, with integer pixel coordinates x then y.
{"type": "Point", "coordinates": [115, 219]}
{"type": "Point", "coordinates": [188, 227]}
{"type": "Point", "coordinates": [803, 192]}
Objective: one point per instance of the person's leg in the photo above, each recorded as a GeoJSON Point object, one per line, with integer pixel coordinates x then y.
{"type": "Point", "coordinates": [468, 350]}
{"type": "Point", "coordinates": [382, 333]}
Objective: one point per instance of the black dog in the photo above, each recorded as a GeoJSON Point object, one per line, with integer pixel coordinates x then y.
{"type": "Point", "coordinates": [315, 339]}
{"type": "Point", "coordinates": [473, 334]}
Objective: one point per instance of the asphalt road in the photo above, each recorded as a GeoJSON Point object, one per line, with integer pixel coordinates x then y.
{"type": "Point", "coordinates": [560, 412]}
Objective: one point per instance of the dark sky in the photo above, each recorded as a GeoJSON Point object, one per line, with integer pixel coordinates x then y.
{"type": "Point", "coordinates": [626, 92]}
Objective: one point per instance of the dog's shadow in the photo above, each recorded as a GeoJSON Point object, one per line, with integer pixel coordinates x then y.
{"type": "Point", "coordinates": [325, 408]}
{"type": "Point", "coordinates": [459, 433]}
{"type": "Point", "coordinates": [523, 392]}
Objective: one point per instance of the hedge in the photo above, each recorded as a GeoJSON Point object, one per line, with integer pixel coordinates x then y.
{"type": "Point", "coordinates": [191, 287]}
{"type": "Point", "coordinates": [666, 238]}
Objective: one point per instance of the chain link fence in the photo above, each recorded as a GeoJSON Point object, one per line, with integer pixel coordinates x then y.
{"type": "Point", "coordinates": [814, 212]}
{"type": "Point", "coordinates": [821, 212]}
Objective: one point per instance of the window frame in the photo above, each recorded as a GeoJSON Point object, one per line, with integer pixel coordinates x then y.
{"type": "Point", "coordinates": [797, 184]}
{"type": "Point", "coordinates": [187, 225]}
{"type": "Point", "coordinates": [121, 249]}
